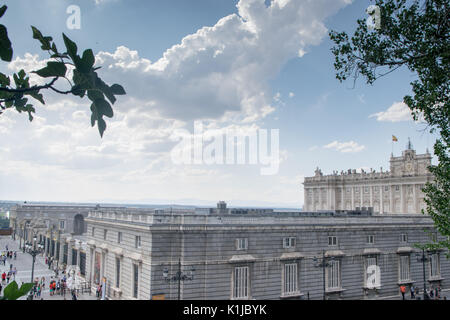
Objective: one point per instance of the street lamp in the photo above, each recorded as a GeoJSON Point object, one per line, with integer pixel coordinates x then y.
{"type": "Point", "coordinates": [34, 252]}
{"type": "Point", "coordinates": [323, 264]}
{"type": "Point", "coordinates": [422, 258]}
{"type": "Point", "coordinates": [179, 276]}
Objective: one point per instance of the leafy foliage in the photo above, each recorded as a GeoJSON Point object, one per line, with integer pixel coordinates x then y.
{"type": "Point", "coordinates": [414, 34]}
{"type": "Point", "coordinates": [85, 80]}
{"type": "Point", "coordinates": [13, 292]}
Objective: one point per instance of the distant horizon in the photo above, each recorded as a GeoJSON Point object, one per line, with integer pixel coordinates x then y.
{"type": "Point", "coordinates": [131, 203]}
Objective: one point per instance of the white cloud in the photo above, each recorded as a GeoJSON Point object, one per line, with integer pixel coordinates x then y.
{"type": "Point", "coordinates": [221, 73]}
{"type": "Point", "coordinates": [397, 112]}
{"type": "Point", "coordinates": [345, 147]}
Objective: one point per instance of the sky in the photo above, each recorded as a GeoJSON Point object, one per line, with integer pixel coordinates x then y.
{"type": "Point", "coordinates": [241, 66]}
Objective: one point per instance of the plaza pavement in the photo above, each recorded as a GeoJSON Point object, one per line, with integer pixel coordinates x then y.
{"type": "Point", "coordinates": [23, 264]}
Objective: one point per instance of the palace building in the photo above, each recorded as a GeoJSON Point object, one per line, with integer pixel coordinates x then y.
{"type": "Point", "coordinates": [396, 191]}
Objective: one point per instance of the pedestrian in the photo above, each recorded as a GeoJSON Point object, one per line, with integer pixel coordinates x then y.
{"type": "Point", "coordinates": [437, 294]}
{"type": "Point", "coordinates": [412, 292]}
{"type": "Point", "coordinates": [74, 295]}
{"type": "Point", "coordinates": [3, 276]}
{"type": "Point", "coordinates": [8, 276]}
{"type": "Point", "coordinates": [15, 255]}
{"type": "Point", "coordinates": [1, 287]}
{"type": "Point", "coordinates": [431, 293]}
{"type": "Point", "coordinates": [58, 287]}
{"type": "Point", "coordinates": [403, 290]}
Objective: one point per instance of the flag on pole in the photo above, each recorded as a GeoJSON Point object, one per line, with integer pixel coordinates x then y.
{"type": "Point", "coordinates": [394, 138]}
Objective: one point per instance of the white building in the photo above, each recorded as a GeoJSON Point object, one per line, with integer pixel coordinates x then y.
{"type": "Point", "coordinates": [396, 191]}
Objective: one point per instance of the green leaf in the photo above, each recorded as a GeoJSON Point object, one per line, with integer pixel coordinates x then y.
{"type": "Point", "coordinates": [53, 69]}
{"type": "Point", "coordinates": [12, 291]}
{"type": "Point", "coordinates": [117, 89]}
{"type": "Point", "coordinates": [45, 41]}
{"type": "Point", "coordinates": [104, 108]}
{"type": "Point", "coordinates": [38, 96]}
{"type": "Point", "coordinates": [4, 80]}
{"type": "Point", "coordinates": [77, 90]}
{"type": "Point", "coordinates": [87, 61]}
{"type": "Point", "coordinates": [99, 83]}
{"type": "Point", "coordinates": [25, 288]}
{"type": "Point", "coordinates": [71, 47]}
{"type": "Point", "coordinates": [2, 10]}
{"type": "Point", "coordinates": [101, 126]}
{"type": "Point", "coordinates": [6, 51]}
{"type": "Point", "coordinates": [95, 95]}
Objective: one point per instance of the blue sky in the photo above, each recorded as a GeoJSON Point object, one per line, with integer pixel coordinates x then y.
{"type": "Point", "coordinates": [254, 66]}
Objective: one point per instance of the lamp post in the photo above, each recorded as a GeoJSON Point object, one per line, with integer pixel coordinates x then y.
{"type": "Point", "coordinates": [179, 276]}
{"type": "Point", "coordinates": [422, 258]}
{"type": "Point", "coordinates": [34, 252]}
{"type": "Point", "coordinates": [23, 235]}
{"type": "Point", "coordinates": [323, 264]}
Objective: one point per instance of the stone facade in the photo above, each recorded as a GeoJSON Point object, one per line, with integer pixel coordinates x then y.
{"type": "Point", "coordinates": [396, 191]}
{"type": "Point", "coordinates": [59, 229]}
{"type": "Point", "coordinates": [256, 256]}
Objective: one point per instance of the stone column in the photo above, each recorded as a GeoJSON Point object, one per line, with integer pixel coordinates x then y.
{"type": "Point", "coordinates": [320, 199]}
{"type": "Point", "coordinates": [70, 246]}
{"type": "Point", "coordinates": [391, 203]}
{"type": "Point", "coordinates": [361, 194]}
{"type": "Point", "coordinates": [371, 195]}
{"type": "Point", "coordinates": [381, 199]}
{"type": "Point", "coordinates": [402, 200]}
{"type": "Point", "coordinates": [353, 197]}
{"type": "Point", "coordinates": [342, 198]}
{"type": "Point", "coordinates": [415, 199]}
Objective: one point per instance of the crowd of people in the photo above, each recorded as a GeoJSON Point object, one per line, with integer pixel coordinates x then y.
{"type": "Point", "coordinates": [433, 293]}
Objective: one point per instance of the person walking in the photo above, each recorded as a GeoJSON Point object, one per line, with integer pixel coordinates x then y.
{"type": "Point", "coordinates": [412, 292]}
{"type": "Point", "coordinates": [74, 295]}
{"type": "Point", "coordinates": [416, 291]}
{"type": "Point", "coordinates": [3, 276]}
{"type": "Point", "coordinates": [15, 255]}
{"type": "Point", "coordinates": [58, 287]}
{"type": "Point", "coordinates": [8, 276]}
{"type": "Point", "coordinates": [403, 291]}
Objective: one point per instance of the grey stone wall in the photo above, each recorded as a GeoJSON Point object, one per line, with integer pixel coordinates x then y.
{"type": "Point", "coordinates": [210, 247]}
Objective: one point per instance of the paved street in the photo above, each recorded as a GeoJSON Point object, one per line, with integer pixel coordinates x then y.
{"type": "Point", "coordinates": [23, 264]}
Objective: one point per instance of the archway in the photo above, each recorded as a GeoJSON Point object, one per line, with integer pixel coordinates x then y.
{"type": "Point", "coordinates": [78, 224]}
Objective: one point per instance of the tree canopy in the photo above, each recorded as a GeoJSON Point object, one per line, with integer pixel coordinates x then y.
{"type": "Point", "coordinates": [414, 34]}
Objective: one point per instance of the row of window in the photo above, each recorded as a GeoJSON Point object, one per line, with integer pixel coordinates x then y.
{"type": "Point", "coordinates": [289, 242]}
{"type": "Point", "coordinates": [366, 189]}
{"type": "Point", "coordinates": [137, 239]}
{"type": "Point", "coordinates": [290, 275]}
